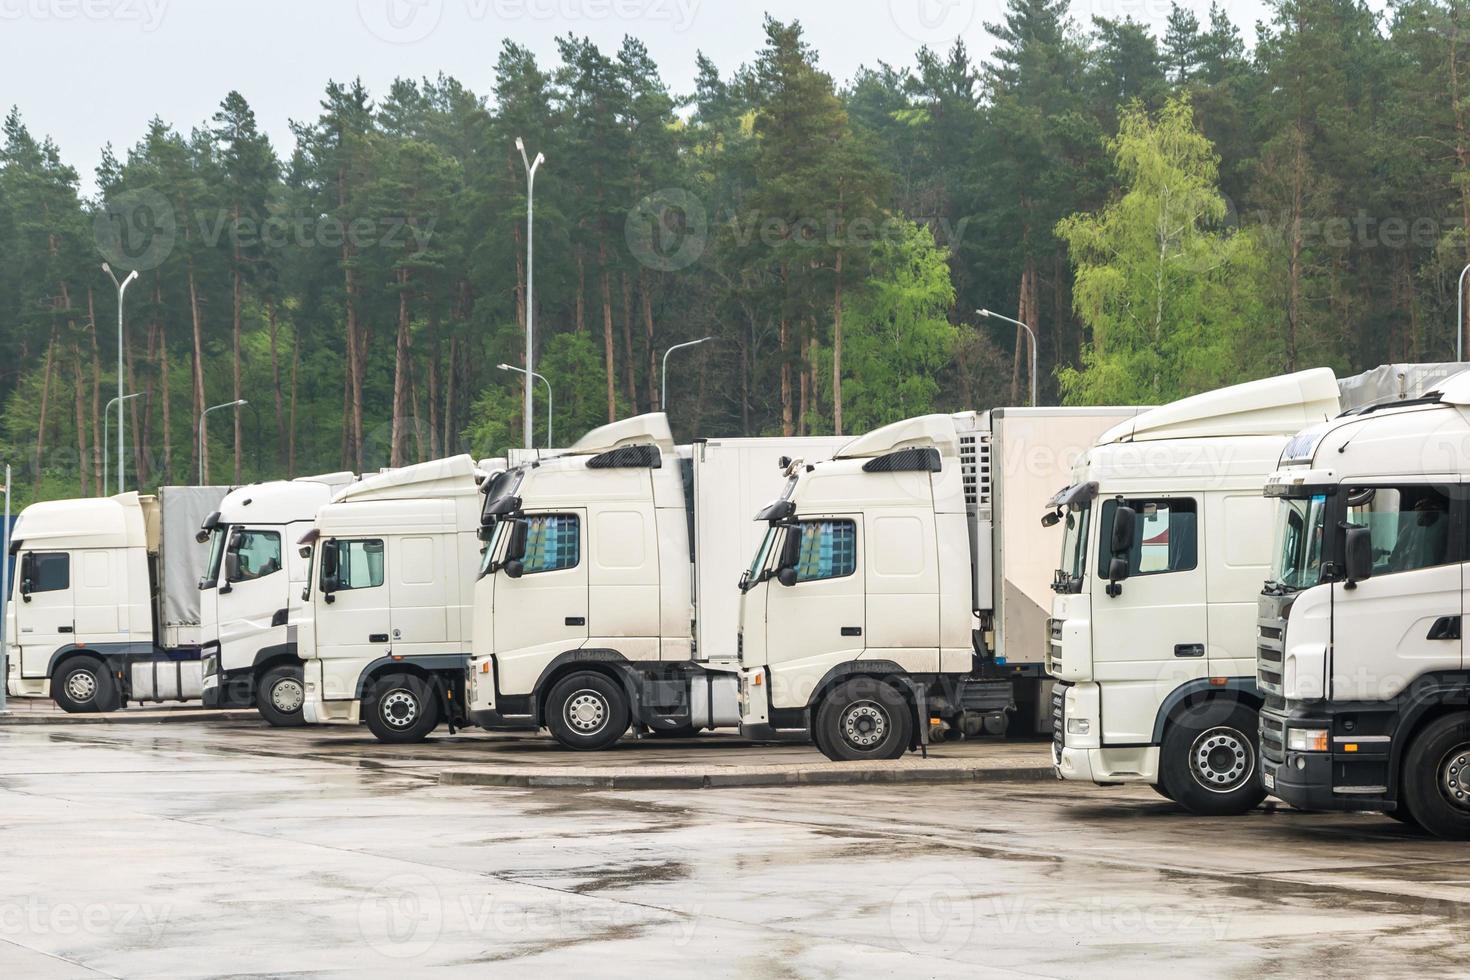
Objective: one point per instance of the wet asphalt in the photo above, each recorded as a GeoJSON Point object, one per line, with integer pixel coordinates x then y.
{"type": "Point", "coordinates": [227, 848]}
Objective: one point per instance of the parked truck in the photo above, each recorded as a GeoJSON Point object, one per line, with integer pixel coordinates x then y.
{"type": "Point", "coordinates": [1163, 550]}
{"type": "Point", "coordinates": [253, 578]}
{"type": "Point", "coordinates": [1361, 652]}
{"type": "Point", "coordinates": [902, 587]}
{"type": "Point", "coordinates": [105, 608]}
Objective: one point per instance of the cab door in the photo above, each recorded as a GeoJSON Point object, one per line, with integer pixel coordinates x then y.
{"type": "Point", "coordinates": [251, 594]}
{"type": "Point", "coordinates": [45, 616]}
{"type": "Point", "coordinates": [1405, 620]}
{"type": "Point", "coordinates": [1152, 630]}
{"type": "Point", "coordinates": [543, 612]}
{"type": "Point", "coordinates": [352, 614]}
{"type": "Point", "coordinates": [820, 620]}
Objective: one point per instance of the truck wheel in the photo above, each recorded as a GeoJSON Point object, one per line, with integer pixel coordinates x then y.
{"type": "Point", "coordinates": [587, 711]}
{"type": "Point", "coordinates": [864, 719]}
{"type": "Point", "coordinates": [1437, 777]}
{"type": "Point", "coordinates": [85, 685]}
{"type": "Point", "coordinates": [1162, 791]}
{"type": "Point", "coordinates": [1210, 763]}
{"type": "Point", "coordinates": [279, 695]}
{"type": "Point", "coordinates": [401, 708]}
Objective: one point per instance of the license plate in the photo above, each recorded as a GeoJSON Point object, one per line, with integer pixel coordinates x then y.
{"type": "Point", "coordinates": [1269, 778]}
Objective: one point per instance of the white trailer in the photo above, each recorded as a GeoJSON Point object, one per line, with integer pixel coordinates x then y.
{"type": "Point", "coordinates": [106, 608]}
{"type": "Point", "coordinates": [901, 587]}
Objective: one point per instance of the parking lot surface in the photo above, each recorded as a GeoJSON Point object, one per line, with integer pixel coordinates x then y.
{"type": "Point", "coordinates": [204, 848]}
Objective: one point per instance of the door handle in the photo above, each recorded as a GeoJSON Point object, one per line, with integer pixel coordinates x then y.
{"type": "Point", "coordinates": [66, 629]}
{"type": "Point", "coordinates": [1445, 628]}
{"type": "Point", "coordinates": [852, 631]}
{"type": "Point", "coordinates": [576, 620]}
{"type": "Point", "coordinates": [1192, 650]}
{"type": "Point", "coordinates": [377, 637]}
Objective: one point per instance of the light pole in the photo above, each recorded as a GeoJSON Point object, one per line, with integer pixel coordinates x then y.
{"type": "Point", "coordinates": [202, 416]}
{"type": "Point", "coordinates": [531, 166]}
{"type": "Point", "coordinates": [1460, 316]}
{"type": "Point", "coordinates": [1029, 333]}
{"type": "Point", "coordinates": [663, 391]}
{"type": "Point", "coordinates": [122, 287]}
{"type": "Point", "coordinates": [533, 374]}
{"type": "Point", "coordinates": [119, 399]}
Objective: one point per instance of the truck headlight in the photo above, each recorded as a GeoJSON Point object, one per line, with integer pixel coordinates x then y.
{"type": "Point", "coordinates": [1079, 726]}
{"type": "Point", "coordinates": [1307, 739]}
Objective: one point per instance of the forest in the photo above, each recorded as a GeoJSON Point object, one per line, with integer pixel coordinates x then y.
{"type": "Point", "coordinates": [1169, 213]}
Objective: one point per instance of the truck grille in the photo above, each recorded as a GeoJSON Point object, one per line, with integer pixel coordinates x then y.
{"type": "Point", "coordinates": [1052, 655]}
{"type": "Point", "coordinates": [1270, 655]}
{"type": "Point", "coordinates": [1273, 737]}
{"type": "Point", "coordinates": [1058, 715]}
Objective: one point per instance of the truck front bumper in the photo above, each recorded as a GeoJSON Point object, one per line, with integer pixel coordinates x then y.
{"type": "Point", "coordinates": [1107, 766]}
{"type": "Point", "coordinates": [1339, 779]}
{"type": "Point", "coordinates": [318, 710]}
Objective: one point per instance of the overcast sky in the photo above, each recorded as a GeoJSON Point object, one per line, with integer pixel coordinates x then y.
{"type": "Point", "coordinates": [89, 72]}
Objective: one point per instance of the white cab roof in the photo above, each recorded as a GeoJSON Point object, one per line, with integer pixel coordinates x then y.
{"type": "Point", "coordinates": [1271, 406]}
{"type": "Point", "coordinates": [640, 430]}
{"type": "Point", "coordinates": [922, 432]}
{"type": "Point", "coordinates": [436, 478]}
{"type": "Point", "coordinates": [88, 522]}
{"type": "Point", "coordinates": [282, 501]}
{"type": "Point", "coordinates": [1456, 390]}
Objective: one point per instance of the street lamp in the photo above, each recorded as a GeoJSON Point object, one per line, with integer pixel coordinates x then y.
{"type": "Point", "coordinates": [203, 476]}
{"type": "Point", "coordinates": [1460, 316]}
{"type": "Point", "coordinates": [533, 374]}
{"type": "Point", "coordinates": [122, 287]}
{"type": "Point", "coordinates": [663, 391]}
{"type": "Point", "coordinates": [120, 399]}
{"type": "Point", "coordinates": [531, 166]}
{"type": "Point", "coordinates": [1030, 333]}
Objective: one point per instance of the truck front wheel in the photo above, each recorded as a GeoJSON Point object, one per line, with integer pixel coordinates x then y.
{"type": "Point", "coordinates": [1210, 760]}
{"type": "Point", "coordinates": [863, 719]}
{"type": "Point", "coordinates": [587, 711]}
{"type": "Point", "coordinates": [1437, 777]}
{"type": "Point", "coordinates": [279, 695]}
{"type": "Point", "coordinates": [401, 708]}
{"type": "Point", "coordinates": [84, 685]}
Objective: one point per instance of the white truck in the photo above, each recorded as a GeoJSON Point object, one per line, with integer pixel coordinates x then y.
{"type": "Point", "coordinates": [1361, 641]}
{"type": "Point", "coordinates": [105, 609]}
{"type": "Point", "coordinates": [383, 628]}
{"type": "Point", "coordinates": [1163, 552]}
{"type": "Point", "coordinates": [253, 578]}
{"type": "Point", "coordinates": [902, 587]}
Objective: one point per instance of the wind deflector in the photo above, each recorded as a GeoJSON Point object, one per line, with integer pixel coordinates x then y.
{"type": "Point", "coordinates": [924, 460]}
{"type": "Point", "coordinates": [646, 457]}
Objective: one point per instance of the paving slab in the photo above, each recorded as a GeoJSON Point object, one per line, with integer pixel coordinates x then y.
{"type": "Point", "coordinates": [43, 711]}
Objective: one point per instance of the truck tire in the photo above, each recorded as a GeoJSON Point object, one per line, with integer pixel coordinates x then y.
{"type": "Point", "coordinates": [84, 685]}
{"type": "Point", "coordinates": [279, 695]}
{"type": "Point", "coordinates": [1437, 777]}
{"type": "Point", "coordinates": [401, 708]}
{"type": "Point", "coordinates": [587, 711]}
{"type": "Point", "coordinates": [1210, 763]}
{"type": "Point", "coordinates": [863, 719]}
{"type": "Point", "coordinates": [1162, 791]}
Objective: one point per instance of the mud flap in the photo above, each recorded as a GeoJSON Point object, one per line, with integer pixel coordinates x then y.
{"type": "Point", "coordinates": [919, 697]}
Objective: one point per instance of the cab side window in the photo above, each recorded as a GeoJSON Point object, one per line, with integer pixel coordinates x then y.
{"type": "Point", "coordinates": [828, 550]}
{"type": "Point", "coordinates": [553, 543]}
{"type": "Point", "coordinates": [1165, 536]}
{"type": "Point", "coordinates": [46, 571]}
{"type": "Point", "coordinates": [1408, 525]}
{"type": "Point", "coordinates": [253, 555]}
{"type": "Point", "coordinates": [353, 564]}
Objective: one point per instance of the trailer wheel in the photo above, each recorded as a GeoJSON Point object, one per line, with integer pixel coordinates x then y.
{"type": "Point", "coordinates": [864, 719]}
{"type": "Point", "coordinates": [1437, 777]}
{"type": "Point", "coordinates": [401, 708]}
{"type": "Point", "coordinates": [85, 685]}
{"type": "Point", "coordinates": [1210, 763]}
{"type": "Point", "coordinates": [587, 711]}
{"type": "Point", "coordinates": [280, 694]}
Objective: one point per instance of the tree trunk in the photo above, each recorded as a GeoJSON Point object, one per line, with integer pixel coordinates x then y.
{"type": "Point", "coordinates": [581, 292]}
{"type": "Point", "coordinates": [436, 353]}
{"type": "Point", "coordinates": [449, 395]}
{"type": "Point", "coordinates": [607, 334]}
{"type": "Point", "coordinates": [235, 335]}
{"type": "Point", "coordinates": [291, 428]}
{"type": "Point", "coordinates": [270, 316]}
{"type": "Point", "coordinates": [163, 380]}
{"type": "Point", "coordinates": [200, 452]}
{"type": "Point", "coordinates": [84, 458]}
{"type": "Point", "coordinates": [652, 381]}
{"type": "Point", "coordinates": [837, 350]}
{"type": "Point", "coordinates": [629, 381]}
{"type": "Point", "coordinates": [45, 405]}
{"type": "Point", "coordinates": [97, 447]}
{"type": "Point", "coordinates": [400, 373]}
{"type": "Point", "coordinates": [788, 426]}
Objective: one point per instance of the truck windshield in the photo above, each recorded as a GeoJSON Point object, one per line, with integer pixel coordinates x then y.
{"type": "Point", "coordinates": [1297, 556]}
{"type": "Point", "coordinates": [218, 537]}
{"type": "Point", "coordinates": [752, 575]}
{"type": "Point", "coordinates": [487, 549]}
{"type": "Point", "coordinates": [1073, 569]}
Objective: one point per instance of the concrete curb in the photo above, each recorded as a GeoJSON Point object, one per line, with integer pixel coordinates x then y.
{"type": "Point", "coordinates": [838, 775]}
{"type": "Point", "coordinates": [143, 717]}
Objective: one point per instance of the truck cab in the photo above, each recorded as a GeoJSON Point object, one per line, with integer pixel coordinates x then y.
{"type": "Point", "coordinates": [1360, 639]}
{"type": "Point", "coordinates": [254, 578]}
{"type": "Point", "coordinates": [384, 624]}
{"type": "Point", "coordinates": [1151, 638]}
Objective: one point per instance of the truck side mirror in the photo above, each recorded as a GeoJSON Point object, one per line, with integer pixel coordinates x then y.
{"type": "Point", "coordinates": [27, 576]}
{"type": "Point", "coordinates": [790, 556]}
{"type": "Point", "coordinates": [1120, 544]}
{"type": "Point", "coordinates": [232, 566]}
{"type": "Point", "coordinates": [515, 549]}
{"type": "Point", "coordinates": [1357, 555]}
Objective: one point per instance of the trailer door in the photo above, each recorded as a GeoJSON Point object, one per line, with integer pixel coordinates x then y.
{"type": "Point", "coordinates": [45, 616]}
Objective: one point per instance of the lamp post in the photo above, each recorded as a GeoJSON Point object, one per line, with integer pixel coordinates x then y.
{"type": "Point", "coordinates": [533, 374]}
{"type": "Point", "coordinates": [122, 287]}
{"type": "Point", "coordinates": [1029, 333]}
{"type": "Point", "coordinates": [1460, 316]}
{"type": "Point", "coordinates": [203, 475]}
{"type": "Point", "coordinates": [663, 391]}
{"type": "Point", "coordinates": [119, 399]}
{"type": "Point", "coordinates": [531, 166]}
